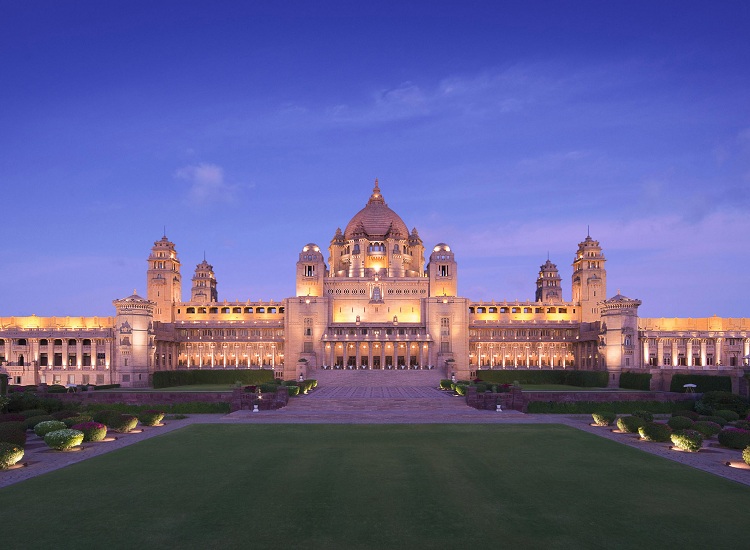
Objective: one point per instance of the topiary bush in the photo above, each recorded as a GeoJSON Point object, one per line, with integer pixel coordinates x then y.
{"type": "Point", "coordinates": [716, 419]}
{"type": "Point", "coordinates": [654, 431]}
{"type": "Point", "coordinates": [746, 455]}
{"type": "Point", "coordinates": [604, 418]}
{"type": "Point", "coordinates": [293, 391]}
{"type": "Point", "coordinates": [34, 420]}
{"type": "Point", "coordinates": [10, 454]}
{"type": "Point", "coordinates": [63, 440]}
{"type": "Point", "coordinates": [692, 415]}
{"type": "Point", "coordinates": [122, 423]}
{"type": "Point", "coordinates": [13, 432]}
{"type": "Point", "coordinates": [726, 414]}
{"type": "Point", "coordinates": [43, 428]}
{"type": "Point", "coordinates": [73, 420]}
{"type": "Point", "coordinates": [680, 423]}
{"type": "Point", "coordinates": [151, 417]}
{"type": "Point", "coordinates": [645, 415]}
{"type": "Point", "coordinates": [92, 431]}
{"type": "Point", "coordinates": [687, 440]}
{"type": "Point", "coordinates": [445, 384]}
{"type": "Point", "coordinates": [630, 424]}
{"type": "Point", "coordinates": [707, 428]}
{"type": "Point", "coordinates": [268, 387]}
{"type": "Point", "coordinates": [461, 388]}
{"type": "Point", "coordinates": [734, 438]}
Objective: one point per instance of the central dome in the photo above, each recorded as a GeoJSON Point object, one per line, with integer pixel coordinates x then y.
{"type": "Point", "coordinates": [376, 220]}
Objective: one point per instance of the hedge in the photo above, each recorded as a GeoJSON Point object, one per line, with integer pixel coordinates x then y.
{"type": "Point", "coordinates": [618, 407]}
{"type": "Point", "coordinates": [729, 416]}
{"type": "Point", "coordinates": [122, 423]}
{"type": "Point", "coordinates": [703, 382]}
{"type": "Point", "coordinates": [169, 378]}
{"type": "Point", "coordinates": [721, 400]}
{"type": "Point", "coordinates": [194, 407]}
{"type": "Point", "coordinates": [635, 381]}
{"type": "Point", "coordinates": [151, 417]}
{"type": "Point", "coordinates": [580, 378]}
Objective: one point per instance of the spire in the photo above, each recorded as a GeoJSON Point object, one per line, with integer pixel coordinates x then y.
{"type": "Point", "coordinates": [376, 195]}
{"type": "Point", "coordinates": [588, 230]}
{"type": "Point", "coordinates": [165, 232]}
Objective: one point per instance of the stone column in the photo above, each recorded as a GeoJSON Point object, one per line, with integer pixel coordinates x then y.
{"type": "Point", "coordinates": [358, 353]}
{"type": "Point", "coordinates": [675, 353]}
{"type": "Point", "coordinates": [745, 350]}
{"type": "Point", "coordinates": [645, 352]}
{"type": "Point", "coordinates": [369, 355]}
{"type": "Point", "coordinates": [79, 352]}
{"type": "Point", "coordinates": [717, 351]}
{"type": "Point", "coordinates": [64, 352]}
{"type": "Point", "coordinates": [421, 354]}
{"type": "Point", "coordinates": [382, 355]}
{"type": "Point", "coordinates": [659, 352]}
{"type": "Point", "coordinates": [703, 352]}
{"type": "Point", "coordinates": [689, 352]}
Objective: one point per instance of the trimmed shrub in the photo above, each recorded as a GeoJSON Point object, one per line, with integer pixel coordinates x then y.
{"type": "Point", "coordinates": [43, 428]}
{"type": "Point", "coordinates": [707, 428]}
{"type": "Point", "coordinates": [63, 439]}
{"type": "Point", "coordinates": [169, 378]}
{"type": "Point", "coordinates": [13, 432]}
{"type": "Point", "coordinates": [742, 424]}
{"type": "Point", "coordinates": [746, 455]}
{"type": "Point", "coordinates": [445, 384]}
{"type": "Point", "coordinates": [151, 418]}
{"type": "Point", "coordinates": [56, 388]}
{"type": "Point", "coordinates": [589, 407]}
{"type": "Point", "coordinates": [680, 423]}
{"type": "Point", "coordinates": [654, 431]}
{"type": "Point", "coordinates": [194, 407]}
{"type": "Point", "coordinates": [34, 420]}
{"type": "Point", "coordinates": [635, 381]}
{"type": "Point", "coordinates": [687, 440]}
{"type": "Point", "coordinates": [92, 431]}
{"type": "Point", "coordinates": [630, 424]}
{"type": "Point", "coordinates": [461, 389]}
{"type": "Point", "coordinates": [34, 412]}
{"type": "Point", "coordinates": [268, 387]}
{"type": "Point", "coordinates": [692, 415]}
{"type": "Point", "coordinates": [589, 379]}
{"type": "Point", "coordinates": [122, 423]}
{"type": "Point", "coordinates": [725, 400]}
{"type": "Point", "coordinates": [645, 415]}
{"type": "Point", "coordinates": [703, 382]}
{"type": "Point", "coordinates": [716, 419]}
{"type": "Point", "coordinates": [73, 420]}
{"type": "Point", "coordinates": [729, 416]}
{"type": "Point", "coordinates": [293, 391]}
{"type": "Point", "coordinates": [10, 455]}
{"type": "Point", "coordinates": [604, 418]}
{"type": "Point", "coordinates": [734, 438]}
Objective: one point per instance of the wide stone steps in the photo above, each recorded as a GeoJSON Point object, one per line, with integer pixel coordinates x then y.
{"type": "Point", "coordinates": [378, 378]}
{"type": "Point", "coordinates": [311, 404]}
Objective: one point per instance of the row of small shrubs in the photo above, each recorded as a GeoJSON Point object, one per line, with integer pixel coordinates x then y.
{"type": "Point", "coordinates": [166, 379]}
{"type": "Point", "coordinates": [190, 407]}
{"type": "Point", "coordinates": [584, 379]}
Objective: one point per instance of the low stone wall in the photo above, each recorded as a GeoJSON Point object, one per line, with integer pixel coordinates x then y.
{"type": "Point", "coordinates": [519, 400]}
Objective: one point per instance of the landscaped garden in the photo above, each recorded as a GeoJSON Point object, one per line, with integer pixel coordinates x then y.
{"type": "Point", "coordinates": [394, 486]}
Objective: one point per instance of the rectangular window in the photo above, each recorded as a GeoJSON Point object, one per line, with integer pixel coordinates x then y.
{"type": "Point", "coordinates": [309, 271]}
{"type": "Point", "coordinates": [443, 270]}
{"type": "Point", "coordinates": [43, 360]}
{"type": "Point", "coordinates": [307, 347]}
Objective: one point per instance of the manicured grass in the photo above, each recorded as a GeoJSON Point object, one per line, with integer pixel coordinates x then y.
{"type": "Point", "coordinates": [376, 486]}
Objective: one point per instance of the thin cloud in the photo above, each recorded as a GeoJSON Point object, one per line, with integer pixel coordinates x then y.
{"type": "Point", "coordinates": [207, 183]}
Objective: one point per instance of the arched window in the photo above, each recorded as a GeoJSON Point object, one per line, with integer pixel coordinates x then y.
{"type": "Point", "coordinates": [481, 310]}
{"type": "Point", "coordinates": [260, 310]}
{"type": "Point", "coordinates": [190, 310]}
{"type": "Point", "coordinates": [201, 310]}
{"type": "Point", "coordinates": [356, 249]}
{"type": "Point", "coordinates": [471, 310]}
{"type": "Point", "coordinates": [493, 310]}
{"type": "Point", "coordinates": [214, 310]}
{"type": "Point", "coordinates": [225, 310]}
{"type": "Point", "coordinates": [271, 310]}
{"type": "Point", "coordinates": [86, 342]}
{"type": "Point", "coordinates": [21, 341]}
{"type": "Point", "coordinates": [58, 342]}
{"type": "Point", "coordinates": [248, 310]}
{"type": "Point", "coordinates": [281, 310]}
{"type": "Point", "coordinates": [42, 342]}
{"type": "Point", "coordinates": [71, 342]}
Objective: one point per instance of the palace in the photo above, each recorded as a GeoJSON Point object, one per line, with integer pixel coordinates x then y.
{"type": "Point", "coordinates": [381, 300]}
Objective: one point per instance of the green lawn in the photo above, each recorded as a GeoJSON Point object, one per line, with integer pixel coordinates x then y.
{"type": "Point", "coordinates": [376, 486]}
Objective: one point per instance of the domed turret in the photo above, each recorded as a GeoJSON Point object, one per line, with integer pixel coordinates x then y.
{"type": "Point", "coordinates": [375, 220]}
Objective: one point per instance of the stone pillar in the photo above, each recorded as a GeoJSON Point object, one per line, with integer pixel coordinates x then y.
{"type": "Point", "coordinates": [382, 355]}
{"type": "Point", "coordinates": [369, 355]}
{"type": "Point", "coordinates": [79, 352]}
{"type": "Point", "coordinates": [675, 353]}
{"type": "Point", "coordinates": [64, 352]}
{"type": "Point", "coordinates": [358, 354]}
{"type": "Point", "coordinates": [689, 352]}
{"type": "Point", "coordinates": [421, 354]}
{"type": "Point", "coordinates": [745, 350]}
{"type": "Point", "coordinates": [660, 352]}
{"type": "Point", "coordinates": [703, 352]}
{"type": "Point", "coordinates": [645, 352]}
{"type": "Point", "coordinates": [717, 350]}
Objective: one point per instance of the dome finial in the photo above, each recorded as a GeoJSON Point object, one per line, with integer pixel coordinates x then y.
{"type": "Point", "coordinates": [376, 195]}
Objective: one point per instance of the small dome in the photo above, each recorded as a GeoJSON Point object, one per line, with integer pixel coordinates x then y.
{"type": "Point", "coordinates": [376, 220]}
{"type": "Point", "coordinates": [441, 247]}
{"type": "Point", "coordinates": [311, 247]}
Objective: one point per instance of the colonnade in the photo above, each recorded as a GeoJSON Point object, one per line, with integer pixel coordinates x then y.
{"type": "Point", "coordinates": [378, 354]}
{"type": "Point", "coordinates": [220, 355]}
{"type": "Point", "coordinates": [695, 351]}
{"type": "Point", "coordinates": [521, 355]}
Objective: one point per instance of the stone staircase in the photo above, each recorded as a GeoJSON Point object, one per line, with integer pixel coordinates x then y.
{"type": "Point", "coordinates": [328, 378]}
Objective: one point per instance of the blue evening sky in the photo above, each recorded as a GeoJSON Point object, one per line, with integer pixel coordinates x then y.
{"type": "Point", "coordinates": [250, 129]}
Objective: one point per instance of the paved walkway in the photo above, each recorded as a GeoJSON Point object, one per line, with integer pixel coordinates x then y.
{"type": "Point", "coordinates": [442, 409]}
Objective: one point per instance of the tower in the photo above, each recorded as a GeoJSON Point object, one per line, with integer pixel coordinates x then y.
{"type": "Point", "coordinates": [589, 279]}
{"type": "Point", "coordinates": [163, 279]}
{"type": "Point", "coordinates": [443, 271]}
{"type": "Point", "coordinates": [204, 284]}
{"type": "Point", "coordinates": [134, 341]}
{"type": "Point", "coordinates": [548, 288]}
{"type": "Point", "coordinates": [310, 271]}
{"type": "Point", "coordinates": [620, 335]}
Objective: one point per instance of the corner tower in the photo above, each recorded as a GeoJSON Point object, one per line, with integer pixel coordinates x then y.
{"type": "Point", "coordinates": [204, 284]}
{"type": "Point", "coordinates": [548, 287]}
{"type": "Point", "coordinates": [163, 279]}
{"type": "Point", "coordinates": [443, 271]}
{"type": "Point", "coordinates": [589, 279]}
{"type": "Point", "coordinates": [310, 271]}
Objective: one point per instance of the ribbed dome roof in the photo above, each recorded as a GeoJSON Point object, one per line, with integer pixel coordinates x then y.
{"type": "Point", "coordinates": [376, 219]}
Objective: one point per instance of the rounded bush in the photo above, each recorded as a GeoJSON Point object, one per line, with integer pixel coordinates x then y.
{"type": "Point", "coordinates": [707, 428]}
{"type": "Point", "coordinates": [688, 440]}
{"type": "Point", "coordinates": [645, 415]}
{"type": "Point", "coordinates": [122, 423]}
{"type": "Point", "coordinates": [104, 414]}
{"type": "Point", "coordinates": [43, 428]}
{"type": "Point", "coordinates": [56, 388]}
{"type": "Point", "coordinates": [33, 412]}
{"type": "Point", "coordinates": [726, 414]}
{"type": "Point", "coordinates": [734, 438]}
{"type": "Point", "coordinates": [63, 439]}
{"type": "Point", "coordinates": [604, 418]}
{"type": "Point", "coordinates": [293, 391]}
{"type": "Point", "coordinates": [65, 413]}
{"type": "Point", "coordinates": [13, 432]}
{"type": "Point", "coordinates": [654, 431]}
{"type": "Point", "coordinates": [717, 419]}
{"type": "Point", "coordinates": [34, 420]}
{"type": "Point", "coordinates": [680, 423]}
{"type": "Point", "coordinates": [10, 455]}
{"type": "Point", "coordinates": [445, 384]}
{"type": "Point", "coordinates": [629, 424]}
{"type": "Point", "coordinates": [746, 455]}
{"type": "Point", "coordinates": [92, 431]}
{"type": "Point", "coordinates": [151, 418]}
{"type": "Point", "coordinates": [73, 420]}
{"type": "Point", "coordinates": [692, 415]}
{"type": "Point", "coordinates": [461, 389]}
